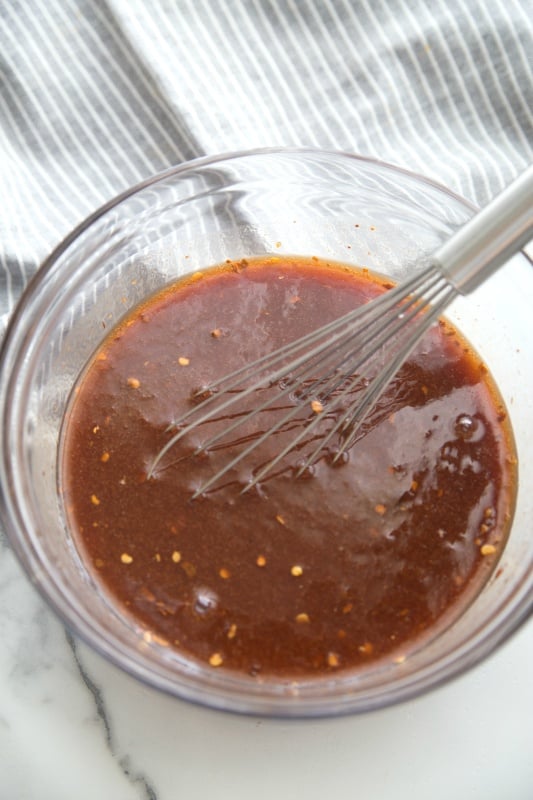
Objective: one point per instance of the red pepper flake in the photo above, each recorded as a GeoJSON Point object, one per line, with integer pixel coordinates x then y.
{"type": "Point", "coordinates": [104, 458]}
{"type": "Point", "coordinates": [150, 637]}
{"type": "Point", "coordinates": [261, 561]}
{"type": "Point", "coordinates": [280, 519]}
{"type": "Point", "coordinates": [224, 573]}
{"type": "Point", "coordinates": [333, 659]}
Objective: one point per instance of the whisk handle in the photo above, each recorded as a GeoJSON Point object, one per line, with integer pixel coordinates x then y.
{"type": "Point", "coordinates": [491, 237]}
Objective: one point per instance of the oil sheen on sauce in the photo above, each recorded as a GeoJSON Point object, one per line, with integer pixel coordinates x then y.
{"type": "Point", "coordinates": [301, 577]}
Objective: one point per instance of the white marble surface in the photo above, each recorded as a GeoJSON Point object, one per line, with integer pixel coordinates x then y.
{"type": "Point", "coordinates": [72, 726]}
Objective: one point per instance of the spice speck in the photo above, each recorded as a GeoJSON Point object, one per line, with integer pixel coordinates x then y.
{"type": "Point", "coordinates": [160, 640]}
{"type": "Point", "coordinates": [260, 561]}
{"type": "Point", "coordinates": [333, 660]}
{"type": "Point", "coordinates": [215, 660]}
{"type": "Point", "coordinates": [317, 406]}
{"type": "Point", "coordinates": [94, 500]}
{"type": "Point", "coordinates": [224, 573]}
{"type": "Point", "coordinates": [126, 558]}
{"type": "Point", "coordinates": [302, 618]}
{"type": "Point", "coordinates": [133, 383]}
{"type": "Point", "coordinates": [487, 550]}
{"type": "Point", "coordinates": [176, 557]}
{"type": "Point", "coordinates": [183, 361]}
{"type": "Point", "coordinates": [296, 570]}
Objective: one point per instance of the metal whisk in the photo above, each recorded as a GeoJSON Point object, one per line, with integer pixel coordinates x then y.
{"type": "Point", "coordinates": [340, 370]}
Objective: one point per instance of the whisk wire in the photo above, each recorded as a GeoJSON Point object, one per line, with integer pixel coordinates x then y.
{"type": "Point", "coordinates": [327, 337]}
{"type": "Point", "coordinates": [361, 406]}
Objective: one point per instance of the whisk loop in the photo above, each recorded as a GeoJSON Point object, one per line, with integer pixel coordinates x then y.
{"type": "Point", "coordinates": [341, 370]}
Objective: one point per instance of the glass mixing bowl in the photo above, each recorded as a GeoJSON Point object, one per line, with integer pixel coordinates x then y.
{"type": "Point", "coordinates": [304, 202]}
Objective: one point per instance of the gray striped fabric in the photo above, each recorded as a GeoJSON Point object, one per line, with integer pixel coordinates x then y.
{"type": "Point", "coordinates": [97, 94]}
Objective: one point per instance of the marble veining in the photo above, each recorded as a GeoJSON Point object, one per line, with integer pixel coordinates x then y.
{"type": "Point", "coordinates": [130, 772]}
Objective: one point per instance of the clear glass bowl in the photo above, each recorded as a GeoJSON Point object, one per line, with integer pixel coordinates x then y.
{"type": "Point", "coordinates": [303, 202]}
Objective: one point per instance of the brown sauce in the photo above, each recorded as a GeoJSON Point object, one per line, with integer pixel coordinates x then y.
{"type": "Point", "coordinates": [298, 577]}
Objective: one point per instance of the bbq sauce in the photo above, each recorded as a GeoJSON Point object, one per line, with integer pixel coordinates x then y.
{"type": "Point", "coordinates": [355, 560]}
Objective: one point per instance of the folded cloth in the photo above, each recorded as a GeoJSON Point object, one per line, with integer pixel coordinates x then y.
{"type": "Point", "coordinates": [95, 97]}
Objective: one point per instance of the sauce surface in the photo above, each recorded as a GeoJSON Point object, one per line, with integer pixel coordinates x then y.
{"type": "Point", "coordinates": [300, 577]}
